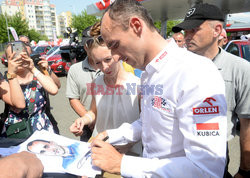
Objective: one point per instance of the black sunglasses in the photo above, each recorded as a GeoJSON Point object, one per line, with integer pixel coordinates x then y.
{"type": "Point", "coordinates": [91, 41]}
{"type": "Point", "coordinates": [26, 43]}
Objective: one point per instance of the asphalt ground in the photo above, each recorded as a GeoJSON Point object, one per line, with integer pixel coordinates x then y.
{"type": "Point", "coordinates": [65, 116]}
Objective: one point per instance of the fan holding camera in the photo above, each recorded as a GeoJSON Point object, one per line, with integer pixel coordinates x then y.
{"type": "Point", "coordinates": [45, 68]}
{"type": "Point", "coordinates": [21, 123]}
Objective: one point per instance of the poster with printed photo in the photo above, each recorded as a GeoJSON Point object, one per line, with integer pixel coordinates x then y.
{"type": "Point", "coordinates": [58, 154]}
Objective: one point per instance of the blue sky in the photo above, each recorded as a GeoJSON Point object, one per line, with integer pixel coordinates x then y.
{"type": "Point", "coordinates": [75, 6]}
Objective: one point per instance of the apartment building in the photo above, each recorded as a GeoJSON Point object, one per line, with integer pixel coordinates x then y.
{"type": "Point", "coordinates": [40, 14]}
{"type": "Point", "coordinates": [63, 21]}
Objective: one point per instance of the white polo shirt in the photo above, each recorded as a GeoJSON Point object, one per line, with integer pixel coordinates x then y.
{"type": "Point", "coordinates": [183, 120]}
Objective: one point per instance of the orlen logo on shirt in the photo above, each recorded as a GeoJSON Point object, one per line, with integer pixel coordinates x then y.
{"type": "Point", "coordinates": [208, 109]}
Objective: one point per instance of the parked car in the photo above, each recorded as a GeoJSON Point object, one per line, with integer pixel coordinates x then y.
{"type": "Point", "coordinates": [4, 60]}
{"type": "Point", "coordinates": [57, 64]}
{"type": "Point", "coordinates": [239, 48]}
{"type": "Point", "coordinates": [52, 51]}
{"type": "Point", "coordinates": [42, 50]}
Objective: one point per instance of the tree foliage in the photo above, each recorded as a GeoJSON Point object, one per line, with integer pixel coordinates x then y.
{"type": "Point", "coordinates": [21, 27]}
{"type": "Point", "coordinates": [15, 21]}
{"type": "Point", "coordinates": [36, 36]}
{"type": "Point", "coordinates": [170, 24]}
{"type": "Point", "coordinates": [82, 21]}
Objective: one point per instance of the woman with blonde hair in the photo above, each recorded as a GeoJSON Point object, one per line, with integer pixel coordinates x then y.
{"type": "Point", "coordinates": [113, 102]}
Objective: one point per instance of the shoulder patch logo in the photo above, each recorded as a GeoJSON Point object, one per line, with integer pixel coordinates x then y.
{"type": "Point", "coordinates": [207, 109]}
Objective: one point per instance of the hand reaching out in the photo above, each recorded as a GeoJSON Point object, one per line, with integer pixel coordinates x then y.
{"type": "Point", "coordinates": [43, 63]}
{"type": "Point", "coordinates": [77, 127]}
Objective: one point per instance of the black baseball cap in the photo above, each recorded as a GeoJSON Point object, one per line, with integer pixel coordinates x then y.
{"type": "Point", "coordinates": [197, 15]}
{"type": "Point", "coordinates": [86, 35]}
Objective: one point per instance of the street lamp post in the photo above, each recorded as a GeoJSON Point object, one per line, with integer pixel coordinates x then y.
{"type": "Point", "coordinates": [7, 28]}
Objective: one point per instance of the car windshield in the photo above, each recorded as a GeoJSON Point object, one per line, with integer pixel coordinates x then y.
{"type": "Point", "coordinates": [40, 49]}
{"type": "Point", "coordinates": [246, 52]}
{"type": "Point", "coordinates": [52, 50]}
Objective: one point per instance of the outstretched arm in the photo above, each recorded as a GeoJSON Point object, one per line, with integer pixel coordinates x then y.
{"type": "Point", "coordinates": [10, 91]}
{"type": "Point", "coordinates": [88, 118]}
{"type": "Point", "coordinates": [44, 67]}
{"type": "Point", "coordinates": [46, 81]}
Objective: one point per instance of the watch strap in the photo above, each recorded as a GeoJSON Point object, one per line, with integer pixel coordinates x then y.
{"type": "Point", "coordinates": [10, 76]}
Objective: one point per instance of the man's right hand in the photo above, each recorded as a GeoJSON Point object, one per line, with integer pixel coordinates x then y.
{"type": "Point", "coordinates": [77, 127]}
{"type": "Point", "coordinates": [26, 165]}
{"type": "Point", "coordinates": [100, 136]}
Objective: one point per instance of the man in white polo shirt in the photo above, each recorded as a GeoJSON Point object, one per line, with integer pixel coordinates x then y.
{"type": "Point", "coordinates": [182, 127]}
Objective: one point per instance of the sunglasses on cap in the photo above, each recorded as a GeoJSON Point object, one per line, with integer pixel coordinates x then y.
{"type": "Point", "coordinates": [26, 43]}
{"type": "Point", "coordinates": [93, 40]}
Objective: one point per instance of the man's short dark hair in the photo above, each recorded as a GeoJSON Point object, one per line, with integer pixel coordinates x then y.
{"type": "Point", "coordinates": [122, 10]}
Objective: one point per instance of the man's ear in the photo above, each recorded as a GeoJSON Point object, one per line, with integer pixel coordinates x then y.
{"type": "Point", "coordinates": [217, 30]}
{"type": "Point", "coordinates": [136, 24]}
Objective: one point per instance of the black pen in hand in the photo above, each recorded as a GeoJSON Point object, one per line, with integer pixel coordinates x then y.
{"type": "Point", "coordinates": [87, 155]}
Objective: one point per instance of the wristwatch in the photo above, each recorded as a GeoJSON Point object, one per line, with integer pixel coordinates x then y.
{"type": "Point", "coordinates": [10, 76]}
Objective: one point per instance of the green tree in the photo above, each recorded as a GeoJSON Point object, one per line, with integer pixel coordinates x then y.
{"type": "Point", "coordinates": [82, 21]}
{"type": "Point", "coordinates": [44, 37]}
{"type": "Point", "coordinates": [15, 21]}
{"type": "Point", "coordinates": [21, 25]}
{"type": "Point", "coordinates": [170, 24]}
{"type": "Point", "coordinates": [3, 29]}
{"type": "Point", "coordinates": [36, 36]}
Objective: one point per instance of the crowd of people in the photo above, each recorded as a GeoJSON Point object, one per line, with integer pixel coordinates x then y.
{"type": "Point", "coordinates": [173, 121]}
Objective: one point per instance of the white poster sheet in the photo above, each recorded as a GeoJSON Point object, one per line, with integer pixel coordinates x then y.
{"type": "Point", "coordinates": [58, 154]}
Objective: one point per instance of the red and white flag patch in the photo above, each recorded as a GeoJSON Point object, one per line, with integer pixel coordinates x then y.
{"type": "Point", "coordinates": [207, 126]}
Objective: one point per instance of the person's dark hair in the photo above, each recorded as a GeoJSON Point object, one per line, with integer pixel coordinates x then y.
{"type": "Point", "coordinates": [31, 143]}
{"type": "Point", "coordinates": [122, 10]}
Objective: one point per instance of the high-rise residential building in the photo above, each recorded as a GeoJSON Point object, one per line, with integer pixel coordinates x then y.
{"type": "Point", "coordinates": [63, 21]}
{"type": "Point", "coordinates": [40, 14]}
